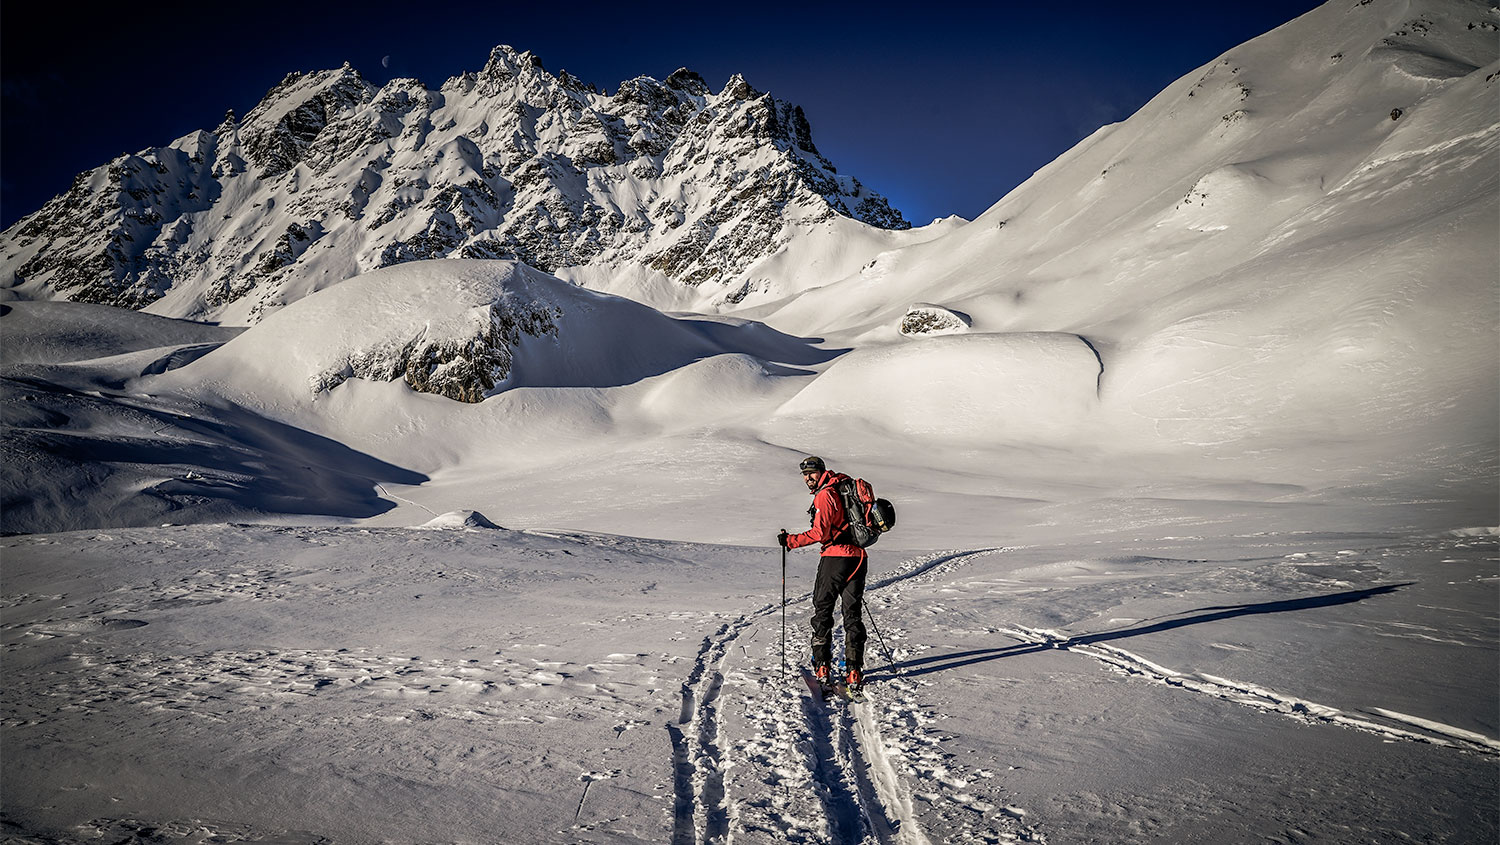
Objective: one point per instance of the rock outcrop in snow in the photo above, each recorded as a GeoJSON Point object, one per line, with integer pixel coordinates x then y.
{"type": "Point", "coordinates": [463, 364]}
{"type": "Point", "coordinates": [461, 520]}
{"type": "Point", "coordinates": [927, 319]}
{"type": "Point", "coordinates": [330, 176]}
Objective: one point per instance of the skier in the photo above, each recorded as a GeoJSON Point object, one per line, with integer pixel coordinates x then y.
{"type": "Point", "coordinates": [841, 575]}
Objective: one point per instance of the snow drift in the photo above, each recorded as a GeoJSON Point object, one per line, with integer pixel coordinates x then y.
{"type": "Point", "coordinates": [977, 389]}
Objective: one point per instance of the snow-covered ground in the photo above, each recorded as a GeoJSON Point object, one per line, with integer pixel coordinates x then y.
{"type": "Point", "coordinates": [1073, 643]}
{"type": "Point", "coordinates": [220, 683]}
{"type": "Point", "coordinates": [1194, 440]}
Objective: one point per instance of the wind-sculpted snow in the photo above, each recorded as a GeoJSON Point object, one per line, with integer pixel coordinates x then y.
{"type": "Point", "coordinates": [85, 455]}
{"type": "Point", "coordinates": [333, 405]}
{"type": "Point", "coordinates": [61, 332]}
{"type": "Point", "coordinates": [967, 388]}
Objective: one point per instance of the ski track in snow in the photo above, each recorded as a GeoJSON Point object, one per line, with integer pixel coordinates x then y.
{"type": "Point", "coordinates": [1264, 698]}
{"type": "Point", "coordinates": [754, 757]}
{"type": "Point", "coordinates": [757, 758]}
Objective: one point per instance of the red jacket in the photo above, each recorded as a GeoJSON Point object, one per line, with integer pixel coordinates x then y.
{"type": "Point", "coordinates": [828, 521]}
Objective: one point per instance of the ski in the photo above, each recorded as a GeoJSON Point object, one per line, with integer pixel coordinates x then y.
{"type": "Point", "coordinates": [833, 688]}
{"type": "Point", "coordinates": [821, 691]}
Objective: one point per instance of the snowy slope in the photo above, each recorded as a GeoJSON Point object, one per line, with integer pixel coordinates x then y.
{"type": "Point", "coordinates": [1292, 244]}
{"type": "Point", "coordinates": [81, 449]}
{"type": "Point", "coordinates": [436, 365]}
{"type": "Point", "coordinates": [1281, 145]}
{"type": "Point", "coordinates": [60, 332]}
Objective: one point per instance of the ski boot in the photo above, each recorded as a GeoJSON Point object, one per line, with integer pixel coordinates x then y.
{"type": "Point", "coordinates": [827, 683]}
{"type": "Point", "coordinates": [854, 684]}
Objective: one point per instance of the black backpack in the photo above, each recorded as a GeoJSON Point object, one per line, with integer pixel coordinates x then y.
{"type": "Point", "coordinates": [868, 516]}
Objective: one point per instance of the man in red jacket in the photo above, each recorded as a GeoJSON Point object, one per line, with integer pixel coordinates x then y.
{"type": "Point", "coordinates": [841, 573]}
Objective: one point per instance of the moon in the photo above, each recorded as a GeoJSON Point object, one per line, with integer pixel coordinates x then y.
{"type": "Point", "coordinates": [385, 62]}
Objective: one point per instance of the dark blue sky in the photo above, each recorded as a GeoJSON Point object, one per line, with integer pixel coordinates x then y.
{"type": "Point", "coordinates": [942, 107]}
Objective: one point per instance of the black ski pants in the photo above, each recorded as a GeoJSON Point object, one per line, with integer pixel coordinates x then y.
{"type": "Point", "coordinates": [839, 578]}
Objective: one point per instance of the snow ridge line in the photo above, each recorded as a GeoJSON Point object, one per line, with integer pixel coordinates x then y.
{"type": "Point", "coordinates": [1264, 698]}
{"type": "Point", "coordinates": [1488, 133]}
{"type": "Point", "coordinates": [400, 499]}
{"type": "Point", "coordinates": [935, 564]}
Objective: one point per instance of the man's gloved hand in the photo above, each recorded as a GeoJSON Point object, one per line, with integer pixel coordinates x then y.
{"type": "Point", "coordinates": [781, 539]}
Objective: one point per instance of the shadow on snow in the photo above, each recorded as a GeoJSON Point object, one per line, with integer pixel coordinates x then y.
{"type": "Point", "coordinates": [92, 459]}
{"type": "Point", "coordinates": [955, 660]}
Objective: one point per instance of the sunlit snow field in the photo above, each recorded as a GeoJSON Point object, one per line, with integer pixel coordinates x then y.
{"type": "Point", "coordinates": [1197, 514]}
{"type": "Point", "coordinates": [295, 684]}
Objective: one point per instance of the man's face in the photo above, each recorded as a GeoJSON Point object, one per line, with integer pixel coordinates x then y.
{"type": "Point", "coordinates": [810, 478]}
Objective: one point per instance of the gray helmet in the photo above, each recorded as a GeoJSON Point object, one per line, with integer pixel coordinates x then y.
{"type": "Point", "coordinates": [812, 463]}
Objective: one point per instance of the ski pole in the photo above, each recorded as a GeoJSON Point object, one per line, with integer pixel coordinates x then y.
{"type": "Point", "coordinates": [783, 614]}
{"type": "Point", "coordinates": [889, 658]}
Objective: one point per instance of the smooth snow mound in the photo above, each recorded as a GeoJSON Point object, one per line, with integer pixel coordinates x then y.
{"type": "Point", "coordinates": [461, 329]}
{"type": "Point", "coordinates": [459, 520]}
{"type": "Point", "coordinates": [1037, 387]}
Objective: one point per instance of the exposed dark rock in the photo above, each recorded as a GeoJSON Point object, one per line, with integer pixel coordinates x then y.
{"type": "Point", "coordinates": [924, 319]}
{"type": "Point", "coordinates": [464, 370]}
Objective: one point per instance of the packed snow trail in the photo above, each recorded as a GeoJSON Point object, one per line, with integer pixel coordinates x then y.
{"type": "Point", "coordinates": [757, 758]}
{"type": "Point", "coordinates": [701, 814]}
{"type": "Point", "coordinates": [884, 780]}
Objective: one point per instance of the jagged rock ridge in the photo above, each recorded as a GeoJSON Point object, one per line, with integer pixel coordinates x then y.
{"type": "Point", "coordinates": [330, 176]}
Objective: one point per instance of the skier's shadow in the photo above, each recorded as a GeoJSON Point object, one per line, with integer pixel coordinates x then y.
{"type": "Point", "coordinates": [955, 660]}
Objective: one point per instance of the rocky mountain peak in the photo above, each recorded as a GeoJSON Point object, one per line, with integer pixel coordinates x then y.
{"type": "Point", "coordinates": [737, 88]}
{"type": "Point", "coordinates": [688, 82]}
{"type": "Point", "coordinates": [278, 132]}
{"type": "Point", "coordinates": [329, 176]}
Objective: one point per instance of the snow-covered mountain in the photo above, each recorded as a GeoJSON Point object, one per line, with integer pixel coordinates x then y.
{"type": "Point", "coordinates": [663, 183]}
{"type": "Point", "coordinates": [1280, 271]}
